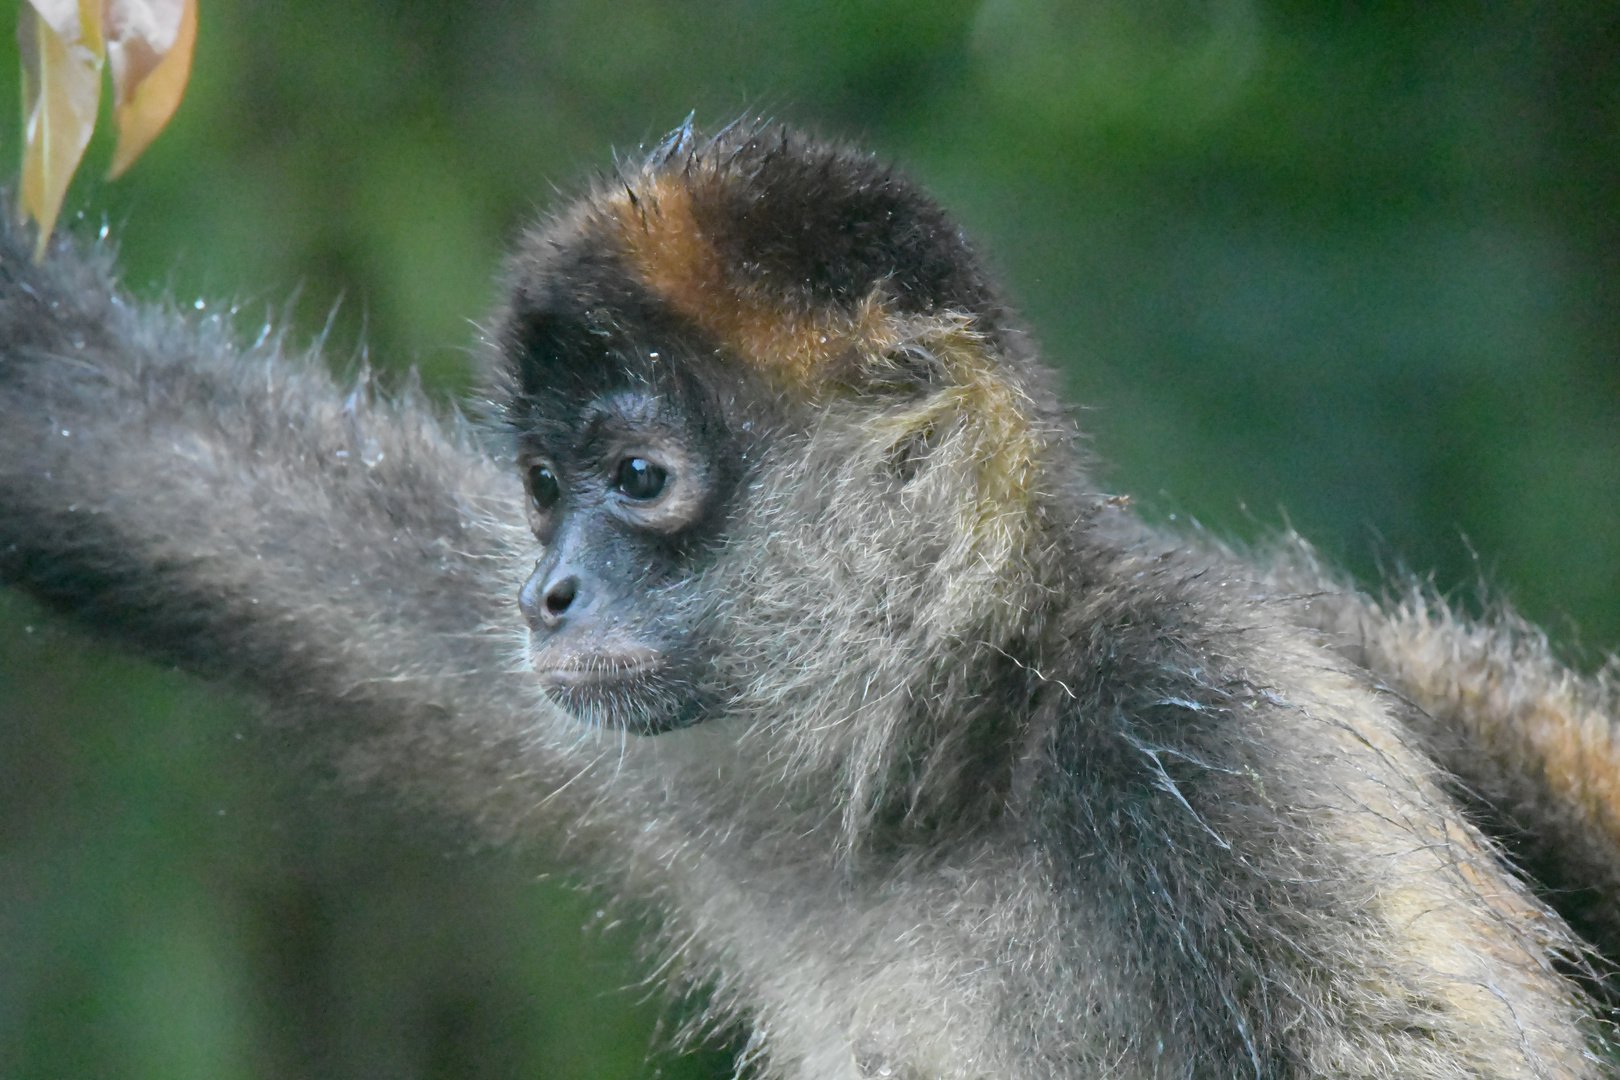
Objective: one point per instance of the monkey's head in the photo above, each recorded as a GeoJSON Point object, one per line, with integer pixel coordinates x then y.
{"type": "Point", "coordinates": [766, 403]}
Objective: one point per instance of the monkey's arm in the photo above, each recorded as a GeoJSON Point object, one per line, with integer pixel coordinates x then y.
{"type": "Point", "coordinates": [234, 511]}
{"type": "Point", "coordinates": [1535, 745]}
{"type": "Point", "coordinates": [1536, 742]}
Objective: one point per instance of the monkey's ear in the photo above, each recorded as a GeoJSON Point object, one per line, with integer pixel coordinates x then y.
{"type": "Point", "coordinates": [967, 405]}
{"type": "Point", "coordinates": [904, 358]}
{"type": "Point", "coordinates": [887, 353]}
{"type": "Point", "coordinates": [908, 455]}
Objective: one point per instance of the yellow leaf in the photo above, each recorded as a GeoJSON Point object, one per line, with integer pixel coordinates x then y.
{"type": "Point", "coordinates": [149, 48]}
{"type": "Point", "coordinates": [61, 69]}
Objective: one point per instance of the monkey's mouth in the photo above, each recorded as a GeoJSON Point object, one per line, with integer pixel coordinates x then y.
{"type": "Point", "coordinates": [633, 688]}
{"type": "Point", "coordinates": [583, 673]}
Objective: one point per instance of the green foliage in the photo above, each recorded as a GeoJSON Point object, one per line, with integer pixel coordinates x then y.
{"type": "Point", "coordinates": [1349, 263]}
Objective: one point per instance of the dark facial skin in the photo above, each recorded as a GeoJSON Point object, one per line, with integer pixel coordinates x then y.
{"type": "Point", "coordinates": [629, 493]}
{"type": "Point", "coordinates": [635, 436]}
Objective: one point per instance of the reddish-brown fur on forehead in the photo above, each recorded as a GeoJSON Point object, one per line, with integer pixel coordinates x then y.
{"type": "Point", "coordinates": [670, 252]}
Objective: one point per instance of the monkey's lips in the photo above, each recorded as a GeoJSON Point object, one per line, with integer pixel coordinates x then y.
{"type": "Point", "coordinates": [596, 669]}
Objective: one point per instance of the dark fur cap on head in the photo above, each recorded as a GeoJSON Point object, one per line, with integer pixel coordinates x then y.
{"type": "Point", "coordinates": [793, 256]}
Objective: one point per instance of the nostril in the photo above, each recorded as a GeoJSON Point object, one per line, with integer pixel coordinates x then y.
{"type": "Point", "coordinates": [560, 595]}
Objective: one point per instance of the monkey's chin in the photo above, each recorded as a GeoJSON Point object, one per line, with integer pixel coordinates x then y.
{"type": "Point", "coordinates": [644, 698]}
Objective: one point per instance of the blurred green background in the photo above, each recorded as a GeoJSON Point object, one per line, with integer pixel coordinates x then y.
{"type": "Point", "coordinates": [1353, 266]}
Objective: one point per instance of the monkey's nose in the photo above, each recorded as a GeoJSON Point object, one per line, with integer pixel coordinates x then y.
{"type": "Point", "coordinates": [559, 596]}
{"type": "Point", "coordinates": [547, 596]}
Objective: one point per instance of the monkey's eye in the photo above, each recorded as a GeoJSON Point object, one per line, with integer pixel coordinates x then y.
{"type": "Point", "coordinates": [639, 479]}
{"type": "Point", "coordinates": [544, 490]}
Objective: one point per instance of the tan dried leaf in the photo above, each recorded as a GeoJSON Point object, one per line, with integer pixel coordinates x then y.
{"type": "Point", "coordinates": [65, 16]}
{"type": "Point", "coordinates": [149, 50]}
{"type": "Point", "coordinates": [60, 47]}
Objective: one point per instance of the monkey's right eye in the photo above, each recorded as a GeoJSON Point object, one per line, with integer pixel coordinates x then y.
{"type": "Point", "coordinates": [640, 479]}
{"type": "Point", "coordinates": [544, 490]}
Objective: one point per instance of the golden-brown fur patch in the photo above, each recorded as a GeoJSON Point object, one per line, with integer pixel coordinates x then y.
{"type": "Point", "coordinates": [678, 262]}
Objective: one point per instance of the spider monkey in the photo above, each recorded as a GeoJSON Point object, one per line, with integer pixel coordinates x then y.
{"type": "Point", "coordinates": [801, 616]}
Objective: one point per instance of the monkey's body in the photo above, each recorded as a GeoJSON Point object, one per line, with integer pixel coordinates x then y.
{"type": "Point", "coordinates": [976, 776]}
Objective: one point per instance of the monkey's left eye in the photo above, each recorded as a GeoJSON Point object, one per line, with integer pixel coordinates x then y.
{"type": "Point", "coordinates": [639, 479]}
{"type": "Point", "coordinates": [544, 489]}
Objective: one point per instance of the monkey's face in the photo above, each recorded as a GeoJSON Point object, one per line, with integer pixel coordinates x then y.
{"type": "Point", "coordinates": [630, 465]}
{"type": "Point", "coordinates": [662, 335]}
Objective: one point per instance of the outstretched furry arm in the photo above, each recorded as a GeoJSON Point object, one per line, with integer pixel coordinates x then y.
{"type": "Point", "coordinates": [234, 510]}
